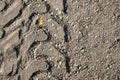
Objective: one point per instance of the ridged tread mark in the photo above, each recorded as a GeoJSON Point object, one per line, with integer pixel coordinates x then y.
{"type": "Point", "coordinates": [17, 48]}
{"type": "Point", "coordinates": [7, 5]}
{"type": "Point", "coordinates": [5, 8]}
{"type": "Point", "coordinates": [12, 73]}
{"type": "Point", "coordinates": [65, 6]}
{"type": "Point", "coordinates": [67, 61]}
{"type": "Point", "coordinates": [50, 66]}
{"type": "Point", "coordinates": [30, 19]}
{"type": "Point", "coordinates": [19, 78]}
{"type": "Point", "coordinates": [15, 18]}
{"type": "Point", "coordinates": [65, 25]}
{"type": "Point", "coordinates": [65, 54]}
{"type": "Point", "coordinates": [34, 74]}
{"type": "Point", "coordinates": [47, 32]}
{"type": "Point", "coordinates": [1, 58]}
{"type": "Point", "coordinates": [32, 47]}
{"type": "Point", "coordinates": [66, 39]}
{"type": "Point", "coordinates": [66, 33]}
{"type": "Point", "coordinates": [20, 33]}
{"type": "Point", "coordinates": [34, 44]}
{"type": "Point", "coordinates": [6, 34]}
{"type": "Point", "coordinates": [3, 34]}
{"type": "Point", "coordinates": [50, 63]}
{"type": "Point", "coordinates": [18, 67]}
{"type": "Point", "coordinates": [48, 8]}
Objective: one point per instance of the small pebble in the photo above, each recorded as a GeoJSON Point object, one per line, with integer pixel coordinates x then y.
{"type": "Point", "coordinates": [40, 22]}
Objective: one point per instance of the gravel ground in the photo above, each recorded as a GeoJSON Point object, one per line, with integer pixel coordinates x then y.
{"type": "Point", "coordinates": [59, 39]}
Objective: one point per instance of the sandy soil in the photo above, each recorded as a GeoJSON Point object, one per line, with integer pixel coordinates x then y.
{"type": "Point", "coordinates": [78, 40]}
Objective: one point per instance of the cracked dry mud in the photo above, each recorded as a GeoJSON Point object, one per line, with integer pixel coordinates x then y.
{"type": "Point", "coordinates": [78, 40]}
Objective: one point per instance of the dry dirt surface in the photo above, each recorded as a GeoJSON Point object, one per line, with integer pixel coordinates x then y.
{"type": "Point", "coordinates": [77, 40]}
